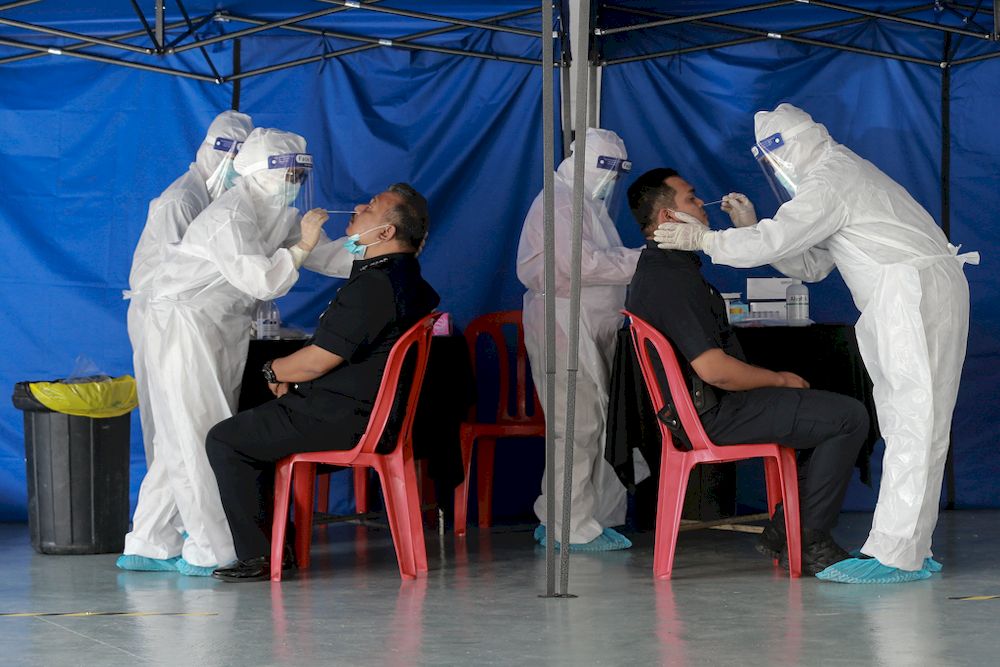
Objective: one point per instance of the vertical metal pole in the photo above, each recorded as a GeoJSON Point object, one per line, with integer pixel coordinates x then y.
{"type": "Point", "coordinates": [949, 463]}
{"type": "Point", "coordinates": [159, 30]}
{"type": "Point", "coordinates": [565, 96]}
{"type": "Point", "coordinates": [236, 70]}
{"type": "Point", "coordinates": [592, 119]}
{"type": "Point", "coordinates": [996, 20]}
{"type": "Point", "coordinates": [576, 256]}
{"type": "Point", "coordinates": [549, 243]}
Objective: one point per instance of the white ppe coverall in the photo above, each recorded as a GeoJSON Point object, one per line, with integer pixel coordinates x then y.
{"type": "Point", "coordinates": [908, 283]}
{"type": "Point", "coordinates": [168, 218]}
{"type": "Point", "coordinates": [598, 497]}
{"type": "Point", "coordinates": [197, 328]}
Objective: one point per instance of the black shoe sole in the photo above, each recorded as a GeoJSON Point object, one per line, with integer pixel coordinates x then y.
{"type": "Point", "coordinates": [240, 580]}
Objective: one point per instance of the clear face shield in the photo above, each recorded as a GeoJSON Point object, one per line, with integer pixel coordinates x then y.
{"type": "Point", "coordinates": [225, 174]}
{"type": "Point", "coordinates": [296, 189]}
{"type": "Point", "coordinates": [605, 190]}
{"type": "Point", "coordinates": [780, 174]}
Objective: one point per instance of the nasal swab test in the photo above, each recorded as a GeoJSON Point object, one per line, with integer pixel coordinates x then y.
{"type": "Point", "coordinates": [712, 203]}
{"type": "Point", "coordinates": [331, 211]}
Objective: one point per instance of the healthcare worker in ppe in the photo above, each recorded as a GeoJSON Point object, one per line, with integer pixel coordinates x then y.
{"type": "Point", "coordinates": [908, 283]}
{"type": "Point", "coordinates": [211, 174]}
{"type": "Point", "coordinates": [597, 497]}
{"type": "Point", "coordinates": [248, 245]}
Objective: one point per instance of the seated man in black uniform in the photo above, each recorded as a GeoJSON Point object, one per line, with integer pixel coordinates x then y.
{"type": "Point", "coordinates": [739, 403]}
{"type": "Point", "coordinates": [325, 391]}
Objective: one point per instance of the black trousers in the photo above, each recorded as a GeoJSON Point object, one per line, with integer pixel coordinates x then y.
{"type": "Point", "coordinates": [243, 450]}
{"type": "Point", "coordinates": [828, 429]}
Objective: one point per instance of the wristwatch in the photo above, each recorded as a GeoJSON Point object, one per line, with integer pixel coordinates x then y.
{"type": "Point", "coordinates": [268, 372]}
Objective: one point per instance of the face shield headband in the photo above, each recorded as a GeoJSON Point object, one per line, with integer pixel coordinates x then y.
{"type": "Point", "coordinates": [780, 174]}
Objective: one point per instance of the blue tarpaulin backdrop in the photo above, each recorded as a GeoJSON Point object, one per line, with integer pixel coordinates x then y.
{"type": "Point", "coordinates": [85, 146]}
{"type": "Point", "coordinates": [695, 113]}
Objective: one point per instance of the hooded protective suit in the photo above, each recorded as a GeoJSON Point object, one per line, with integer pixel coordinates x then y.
{"type": "Point", "coordinates": [908, 283]}
{"type": "Point", "coordinates": [168, 218]}
{"type": "Point", "coordinates": [197, 333]}
{"type": "Point", "coordinates": [598, 497]}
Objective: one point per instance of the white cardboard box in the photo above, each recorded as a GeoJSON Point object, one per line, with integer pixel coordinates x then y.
{"type": "Point", "coordinates": [768, 288]}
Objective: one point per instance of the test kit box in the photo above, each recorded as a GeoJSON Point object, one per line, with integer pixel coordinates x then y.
{"type": "Point", "coordinates": [776, 309]}
{"type": "Point", "coordinates": [763, 289]}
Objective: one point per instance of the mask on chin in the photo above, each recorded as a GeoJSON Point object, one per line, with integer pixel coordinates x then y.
{"type": "Point", "coordinates": [352, 246]}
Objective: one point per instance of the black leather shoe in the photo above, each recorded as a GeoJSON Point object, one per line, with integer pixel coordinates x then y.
{"type": "Point", "coordinates": [254, 569]}
{"type": "Point", "coordinates": [819, 552]}
{"type": "Point", "coordinates": [773, 540]}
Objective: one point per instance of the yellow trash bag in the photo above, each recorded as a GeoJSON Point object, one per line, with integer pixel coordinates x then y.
{"type": "Point", "coordinates": [109, 397]}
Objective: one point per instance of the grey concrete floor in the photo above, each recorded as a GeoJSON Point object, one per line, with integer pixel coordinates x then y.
{"type": "Point", "coordinates": [479, 605]}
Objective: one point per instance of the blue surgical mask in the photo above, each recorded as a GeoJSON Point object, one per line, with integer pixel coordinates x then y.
{"type": "Point", "coordinates": [352, 246]}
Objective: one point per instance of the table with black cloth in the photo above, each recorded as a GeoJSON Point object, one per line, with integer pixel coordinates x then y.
{"type": "Point", "coordinates": [825, 355]}
{"type": "Point", "coordinates": [448, 392]}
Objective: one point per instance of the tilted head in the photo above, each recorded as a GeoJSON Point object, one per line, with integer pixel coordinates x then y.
{"type": "Point", "coordinates": [396, 217]}
{"type": "Point", "coordinates": [659, 191]}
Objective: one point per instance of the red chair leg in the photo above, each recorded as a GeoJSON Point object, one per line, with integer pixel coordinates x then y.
{"type": "Point", "coordinates": [772, 481]}
{"type": "Point", "coordinates": [303, 486]}
{"type": "Point", "coordinates": [361, 489]}
{"type": "Point", "coordinates": [392, 476]}
{"type": "Point", "coordinates": [416, 538]}
{"type": "Point", "coordinates": [674, 472]}
{"type": "Point", "coordinates": [462, 490]}
{"type": "Point", "coordinates": [790, 496]}
{"type": "Point", "coordinates": [323, 492]}
{"type": "Point", "coordinates": [279, 520]}
{"type": "Point", "coordinates": [484, 480]}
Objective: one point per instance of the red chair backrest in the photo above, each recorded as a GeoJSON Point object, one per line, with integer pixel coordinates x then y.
{"type": "Point", "coordinates": [492, 325]}
{"type": "Point", "coordinates": [418, 336]}
{"type": "Point", "coordinates": [644, 337]}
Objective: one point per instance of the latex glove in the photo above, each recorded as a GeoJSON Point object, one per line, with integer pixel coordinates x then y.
{"type": "Point", "coordinates": [688, 234]}
{"type": "Point", "coordinates": [740, 209]}
{"type": "Point", "coordinates": [311, 226]}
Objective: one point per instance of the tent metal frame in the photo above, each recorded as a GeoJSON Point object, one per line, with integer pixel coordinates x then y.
{"type": "Point", "coordinates": [659, 19]}
{"type": "Point", "coordinates": [157, 31]}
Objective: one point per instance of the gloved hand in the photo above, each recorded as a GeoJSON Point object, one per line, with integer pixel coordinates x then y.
{"type": "Point", "coordinates": [311, 225]}
{"type": "Point", "coordinates": [740, 209]}
{"type": "Point", "coordinates": [688, 234]}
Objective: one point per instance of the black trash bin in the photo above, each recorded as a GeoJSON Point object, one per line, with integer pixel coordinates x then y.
{"type": "Point", "coordinates": [78, 475]}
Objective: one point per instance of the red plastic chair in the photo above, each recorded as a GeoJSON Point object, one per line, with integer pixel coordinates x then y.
{"type": "Point", "coordinates": [395, 470]}
{"type": "Point", "coordinates": [512, 419]}
{"type": "Point", "coordinates": [675, 465]}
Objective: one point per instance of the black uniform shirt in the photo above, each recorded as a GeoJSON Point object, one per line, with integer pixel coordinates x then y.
{"type": "Point", "coordinates": [383, 298]}
{"type": "Point", "coordinates": [669, 292]}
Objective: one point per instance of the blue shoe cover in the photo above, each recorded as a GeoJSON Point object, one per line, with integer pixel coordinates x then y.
{"type": "Point", "coordinates": [869, 571]}
{"type": "Point", "coordinates": [144, 564]}
{"type": "Point", "coordinates": [190, 570]}
{"type": "Point", "coordinates": [930, 564]}
{"type": "Point", "coordinates": [609, 540]}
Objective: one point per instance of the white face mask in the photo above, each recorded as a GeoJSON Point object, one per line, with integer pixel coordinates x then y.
{"type": "Point", "coordinates": [291, 191]}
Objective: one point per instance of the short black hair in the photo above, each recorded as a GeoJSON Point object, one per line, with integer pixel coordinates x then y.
{"type": "Point", "coordinates": [649, 194]}
{"type": "Point", "coordinates": [409, 217]}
